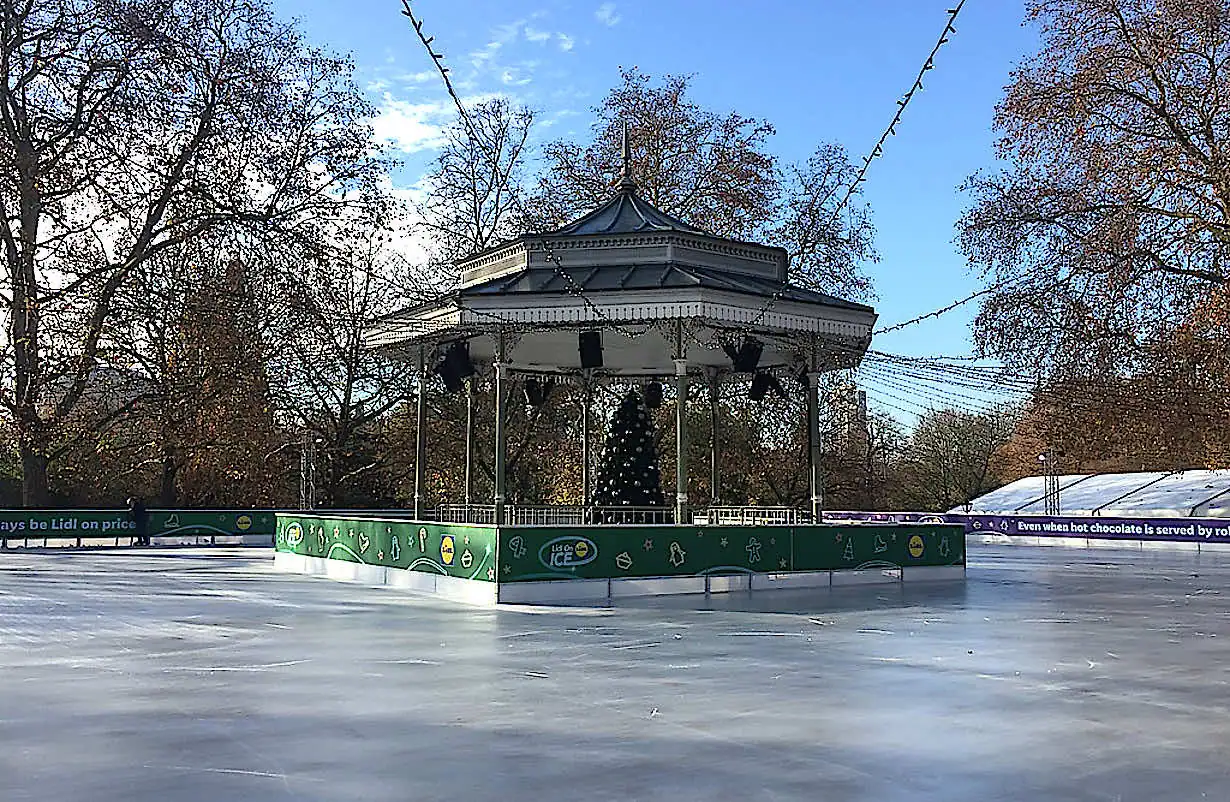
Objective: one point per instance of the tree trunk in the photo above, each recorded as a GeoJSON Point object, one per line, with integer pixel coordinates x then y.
{"type": "Point", "coordinates": [34, 488]}
{"type": "Point", "coordinates": [167, 494]}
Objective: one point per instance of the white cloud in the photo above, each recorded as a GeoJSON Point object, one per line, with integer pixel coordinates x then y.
{"type": "Point", "coordinates": [418, 77]}
{"type": "Point", "coordinates": [514, 77]}
{"type": "Point", "coordinates": [566, 42]}
{"type": "Point", "coordinates": [412, 127]}
{"type": "Point", "coordinates": [479, 58]}
{"type": "Point", "coordinates": [535, 35]}
{"type": "Point", "coordinates": [606, 15]}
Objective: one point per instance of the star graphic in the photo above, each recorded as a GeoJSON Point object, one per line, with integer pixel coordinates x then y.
{"type": "Point", "coordinates": [723, 541]}
{"type": "Point", "coordinates": [700, 532]}
{"type": "Point", "coordinates": [838, 538]}
{"type": "Point", "coordinates": [507, 570]}
{"type": "Point", "coordinates": [380, 555]}
{"type": "Point", "coordinates": [772, 541]}
{"type": "Point", "coordinates": [648, 546]}
{"type": "Point", "coordinates": [894, 537]}
{"type": "Point", "coordinates": [491, 574]}
{"type": "Point", "coordinates": [467, 540]}
{"type": "Point", "coordinates": [782, 563]}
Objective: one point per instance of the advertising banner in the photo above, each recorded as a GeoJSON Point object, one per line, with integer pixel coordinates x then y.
{"type": "Point", "coordinates": [1159, 529]}
{"type": "Point", "coordinates": [541, 553]}
{"type": "Point", "coordinates": [458, 550]}
{"type": "Point", "coordinates": [37, 527]}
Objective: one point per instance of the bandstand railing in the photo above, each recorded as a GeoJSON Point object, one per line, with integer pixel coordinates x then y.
{"type": "Point", "coordinates": [752, 516]}
{"type": "Point", "coordinates": [525, 515]}
{"type": "Point", "coordinates": [529, 515]}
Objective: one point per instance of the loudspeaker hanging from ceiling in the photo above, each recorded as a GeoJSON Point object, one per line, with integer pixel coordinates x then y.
{"type": "Point", "coordinates": [455, 366]}
{"type": "Point", "coordinates": [762, 382]}
{"type": "Point", "coordinates": [744, 357]}
{"type": "Point", "coordinates": [589, 344]}
{"type": "Point", "coordinates": [652, 393]}
{"type": "Point", "coordinates": [537, 390]}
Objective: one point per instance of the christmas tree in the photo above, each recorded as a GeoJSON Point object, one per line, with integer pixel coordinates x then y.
{"type": "Point", "coordinates": [628, 467]}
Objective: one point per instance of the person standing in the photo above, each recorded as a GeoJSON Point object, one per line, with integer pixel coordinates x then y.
{"type": "Point", "coordinates": [140, 520]}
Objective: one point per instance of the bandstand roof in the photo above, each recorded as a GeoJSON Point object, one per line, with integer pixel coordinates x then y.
{"type": "Point", "coordinates": [642, 277]}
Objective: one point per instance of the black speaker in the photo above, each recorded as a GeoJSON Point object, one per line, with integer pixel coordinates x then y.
{"type": "Point", "coordinates": [452, 381]}
{"type": "Point", "coordinates": [745, 357]}
{"type": "Point", "coordinates": [537, 390]}
{"type": "Point", "coordinates": [455, 365]}
{"type": "Point", "coordinates": [762, 383]}
{"type": "Point", "coordinates": [652, 393]}
{"type": "Point", "coordinates": [458, 355]}
{"type": "Point", "coordinates": [589, 344]}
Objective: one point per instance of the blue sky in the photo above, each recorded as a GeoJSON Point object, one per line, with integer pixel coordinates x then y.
{"type": "Point", "coordinates": [820, 70]}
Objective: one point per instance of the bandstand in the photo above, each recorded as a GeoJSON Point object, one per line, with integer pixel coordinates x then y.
{"type": "Point", "coordinates": [626, 294]}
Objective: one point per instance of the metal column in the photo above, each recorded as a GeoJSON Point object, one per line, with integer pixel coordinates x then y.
{"type": "Point", "coordinates": [681, 428]}
{"type": "Point", "coordinates": [420, 437]}
{"type": "Point", "coordinates": [586, 400]}
{"type": "Point", "coordinates": [714, 453]}
{"type": "Point", "coordinates": [501, 381]}
{"type": "Point", "coordinates": [813, 439]}
{"type": "Point", "coordinates": [469, 439]}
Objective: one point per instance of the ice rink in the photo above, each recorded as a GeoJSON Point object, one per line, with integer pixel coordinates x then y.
{"type": "Point", "coordinates": [199, 674]}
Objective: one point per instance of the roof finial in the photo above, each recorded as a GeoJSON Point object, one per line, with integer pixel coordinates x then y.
{"type": "Point", "coordinates": [626, 182]}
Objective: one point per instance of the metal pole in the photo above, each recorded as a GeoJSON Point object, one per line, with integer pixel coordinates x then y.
{"type": "Point", "coordinates": [813, 436]}
{"type": "Point", "coordinates": [586, 399]}
{"type": "Point", "coordinates": [714, 410]}
{"type": "Point", "coordinates": [311, 475]}
{"type": "Point", "coordinates": [469, 439]}
{"type": "Point", "coordinates": [501, 377]}
{"type": "Point", "coordinates": [420, 438]}
{"type": "Point", "coordinates": [681, 428]}
{"type": "Point", "coordinates": [303, 471]}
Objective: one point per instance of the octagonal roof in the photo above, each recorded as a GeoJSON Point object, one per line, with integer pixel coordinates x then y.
{"type": "Point", "coordinates": [630, 263]}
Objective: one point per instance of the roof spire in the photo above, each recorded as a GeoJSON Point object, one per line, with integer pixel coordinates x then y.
{"type": "Point", "coordinates": [626, 182]}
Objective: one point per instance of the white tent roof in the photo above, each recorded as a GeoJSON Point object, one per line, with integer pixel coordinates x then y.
{"type": "Point", "coordinates": [1155, 494]}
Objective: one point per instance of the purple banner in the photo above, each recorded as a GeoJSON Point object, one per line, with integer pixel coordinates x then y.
{"type": "Point", "coordinates": [1189, 529]}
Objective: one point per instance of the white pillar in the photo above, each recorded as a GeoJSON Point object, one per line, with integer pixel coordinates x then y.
{"type": "Point", "coordinates": [813, 436]}
{"type": "Point", "coordinates": [714, 442]}
{"type": "Point", "coordinates": [469, 440]}
{"type": "Point", "coordinates": [420, 438]}
{"type": "Point", "coordinates": [681, 441]}
{"type": "Point", "coordinates": [501, 380]}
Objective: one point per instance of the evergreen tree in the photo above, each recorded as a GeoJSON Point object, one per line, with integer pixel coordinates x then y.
{"type": "Point", "coordinates": [628, 468]}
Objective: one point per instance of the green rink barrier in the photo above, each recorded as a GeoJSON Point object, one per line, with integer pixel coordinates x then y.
{"type": "Point", "coordinates": [532, 554]}
{"type": "Point", "coordinates": [511, 554]}
{"type": "Point", "coordinates": [27, 528]}
{"type": "Point", "coordinates": [462, 551]}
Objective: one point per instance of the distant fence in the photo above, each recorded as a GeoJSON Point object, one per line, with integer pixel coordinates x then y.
{"type": "Point", "coordinates": [1183, 530]}
{"type": "Point", "coordinates": [100, 528]}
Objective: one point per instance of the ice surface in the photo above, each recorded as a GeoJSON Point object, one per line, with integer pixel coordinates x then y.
{"type": "Point", "coordinates": [201, 675]}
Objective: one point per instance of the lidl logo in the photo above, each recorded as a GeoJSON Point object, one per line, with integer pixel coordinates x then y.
{"type": "Point", "coordinates": [447, 549]}
{"type": "Point", "coordinates": [567, 552]}
{"type": "Point", "coordinates": [916, 546]}
{"type": "Point", "coordinates": [243, 523]}
{"type": "Point", "coordinates": [294, 534]}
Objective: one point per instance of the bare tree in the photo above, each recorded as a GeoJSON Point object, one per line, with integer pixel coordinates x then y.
{"type": "Point", "coordinates": [330, 385]}
{"type": "Point", "coordinates": [130, 129]}
{"type": "Point", "coordinates": [949, 457]}
{"type": "Point", "coordinates": [472, 202]}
